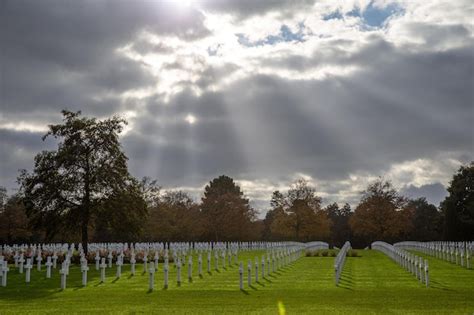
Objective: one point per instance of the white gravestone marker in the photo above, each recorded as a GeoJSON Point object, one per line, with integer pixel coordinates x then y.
{"type": "Point", "coordinates": [21, 261]}
{"type": "Point", "coordinates": [97, 261]}
{"type": "Point", "coordinates": [63, 273]}
{"type": "Point", "coordinates": [28, 270]}
{"type": "Point", "coordinates": [249, 273]}
{"type": "Point", "coordinates": [256, 270]}
{"type": "Point", "coordinates": [84, 269]}
{"type": "Point", "coordinates": [241, 276]}
{"type": "Point", "coordinates": [178, 275]}
{"type": "Point", "coordinates": [48, 265]}
{"type": "Point", "coordinates": [190, 269]}
{"type": "Point", "coordinates": [165, 270]}
{"type": "Point", "coordinates": [151, 282]}
{"type": "Point", "coordinates": [200, 265]}
{"type": "Point", "coordinates": [4, 270]}
{"type": "Point", "coordinates": [39, 259]}
{"type": "Point", "coordinates": [133, 261]}
{"type": "Point", "coordinates": [103, 265]}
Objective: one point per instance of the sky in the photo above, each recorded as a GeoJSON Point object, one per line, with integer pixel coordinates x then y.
{"type": "Point", "coordinates": [339, 93]}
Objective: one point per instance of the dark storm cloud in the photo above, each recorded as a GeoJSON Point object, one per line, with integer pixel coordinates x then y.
{"type": "Point", "coordinates": [249, 8]}
{"type": "Point", "coordinates": [58, 54]}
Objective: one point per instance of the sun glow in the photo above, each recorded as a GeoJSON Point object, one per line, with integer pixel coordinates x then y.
{"type": "Point", "coordinates": [190, 119]}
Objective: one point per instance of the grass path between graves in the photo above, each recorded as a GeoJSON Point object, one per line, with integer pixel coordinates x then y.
{"type": "Point", "coordinates": [371, 284]}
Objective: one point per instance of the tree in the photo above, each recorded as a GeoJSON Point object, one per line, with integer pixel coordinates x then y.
{"type": "Point", "coordinates": [226, 212]}
{"type": "Point", "coordinates": [69, 186]}
{"type": "Point", "coordinates": [458, 207]}
{"type": "Point", "coordinates": [298, 214]}
{"type": "Point", "coordinates": [382, 214]}
{"type": "Point", "coordinates": [13, 221]}
{"type": "Point", "coordinates": [176, 217]}
{"type": "Point", "coordinates": [427, 221]}
{"type": "Point", "coordinates": [340, 229]}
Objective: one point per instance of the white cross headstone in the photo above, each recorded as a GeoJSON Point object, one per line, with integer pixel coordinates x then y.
{"type": "Point", "coordinates": [63, 273]}
{"type": "Point", "coordinates": [157, 259]}
{"type": "Point", "coordinates": [145, 261]}
{"type": "Point", "coordinates": [256, 269]}
{"type": "Point", "coordinates": [427, 278]}
{"type": "Point", "coordinates": [21, 261]}
{"type": "Point", "coordinates": [55, 260]}
{"type": "Point", "coordinates": [97, 261]}
{"type": "Point", "coordinates": [263, 267]}
{"type": "Point", "coordinates": [151, 282]}
{"type": "Point", "coordinates": [4, 271]}
{"type": "Point", "coordinates": [133, 261]}
{"type": "Point", "coordinates": [241, 276]}
{"type": "Point", "coordinates": [165, 270]}
{"type": "Point", "coordinates": [190, 269]}
{"type": "Point", "coordinates": [48, 264]}
{"type": "Point", "coordinates": [110, 257]}
{"type": "Point", "coordinates": [103, 265]}
{"type": "Point", "coordinates": [39, 259]}
{"type": "Point", "coordinates": [28, 270]}
{"type": "Point", "coordinates": [178, 275]}
{"type": "Point", "coordinates": [119, 268]}
{"type": "Point", "coordinates": [84, 270]}
{"type": "Point", "coordinates": [200, 265]}
{"type": "Point", "coordinates": [208, 262]}
{"type": "Point", "coordinates": [249, 273]}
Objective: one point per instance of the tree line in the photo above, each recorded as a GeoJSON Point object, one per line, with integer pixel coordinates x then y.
{"type": "Point", "coordinates": [82, 192]}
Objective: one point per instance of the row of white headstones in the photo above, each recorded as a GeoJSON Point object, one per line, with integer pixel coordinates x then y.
{"type": "Point", "coordinates": [340, 260]}
{"type": "Point", "coordinates": [459, 253]}
{"type": "Point", "coordinates": [411, 262]}
{"type": "Point", "coordinates": [277, 252]}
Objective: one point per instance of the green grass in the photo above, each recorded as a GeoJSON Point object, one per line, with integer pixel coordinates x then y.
{"type": "Point", "coordinates": [370, 284]}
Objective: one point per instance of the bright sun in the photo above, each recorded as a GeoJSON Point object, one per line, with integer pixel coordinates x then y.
{"type": "Point", "coordinates": [190, 119]}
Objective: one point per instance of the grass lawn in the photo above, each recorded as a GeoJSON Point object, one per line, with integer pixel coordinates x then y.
{"type": "Point", "coordinates": [370, 284]}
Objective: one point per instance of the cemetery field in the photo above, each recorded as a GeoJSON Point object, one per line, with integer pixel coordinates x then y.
{"type": "Point", "coordinates": [371, 283]}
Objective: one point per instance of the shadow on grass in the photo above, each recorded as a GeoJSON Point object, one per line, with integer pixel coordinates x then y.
{"type": "Point", "coordinates": [244, 291]}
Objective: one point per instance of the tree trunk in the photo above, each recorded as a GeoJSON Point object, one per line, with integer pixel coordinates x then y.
{"type": "Point", "coordinates": [84, 232]}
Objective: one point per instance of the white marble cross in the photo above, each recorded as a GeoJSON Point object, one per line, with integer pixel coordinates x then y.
{"type": "Point", "coordinates": [21, 261]}
{"type": "Point", "coordinates": [190, 269]}
{"type": "Point", "coordinates": [249, 273]}
{"type": "Point", "coordinates": [200, 265]}
{"type": "Point", "coordinates": [119, 264]}
{"type": "Point", "coordinates": [97, 260]}
{"type": "Point", "coordinates": [241, 276]}
{"type": "Point", "coordinates": [256, 269]}
{"type": "Point", "coordinates": [133, 261]}
{"type": "Point", "coordinates": [28, 270]}
{"type": "Point", "coordinates": [165, 270]}
{"type": "Point", "coordinates": [55, 260]}
{"type": "Point", "coordinates": [103, 265]}
{"type": "Point", "coordinates": [110, 257]}
{"type": "Point", "coordinates": [63, 273]}
{"type": "Point", "coordinates": [178, 275]}
{"type": "Point", "coordinates": [39, 259]}
{"type": "Point", "coordinates": [4, 271]}
{"type": "Point", "coordinates": [84, 270]}
{"type": "Point", "coordinates": [151, 282]}
{"type": "Point", "coordinates": [145, 261]}
{"type": "Point", "coordinates": [208, 261]}
{"type": "Point", "coordinates": [48, 265]}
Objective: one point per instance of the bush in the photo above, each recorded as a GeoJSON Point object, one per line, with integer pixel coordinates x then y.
{"type": "Point", "coordinates": [353, 253]}
{"type": "Point", "coordinates": [324, 253]}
